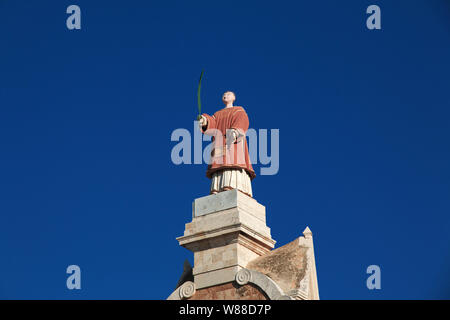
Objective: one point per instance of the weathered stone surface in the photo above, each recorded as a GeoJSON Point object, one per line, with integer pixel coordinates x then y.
{"type": "Point", "coordinates": [292, 267]}
{"type": "Point", "coordinates": [214, 203]}
{"type": "Point", "coordinates": [226, 200]}
{"type": "Point", "coordinates": [230, 291]}
{"type": "Point", "coordinates": [286, 265]}
{"type": "Point", "coordinates": [216, 277]}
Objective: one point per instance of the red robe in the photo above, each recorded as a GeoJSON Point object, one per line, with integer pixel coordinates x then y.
{"type": "Point", "coordinates": [236, 154]}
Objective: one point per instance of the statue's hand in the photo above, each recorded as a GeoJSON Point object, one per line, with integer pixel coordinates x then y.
{"type": "Point", "coordinates": [231, 136]}
{"type": "Point", "coordinates": [202, 121]}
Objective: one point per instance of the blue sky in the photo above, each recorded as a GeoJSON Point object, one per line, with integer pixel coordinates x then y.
{"type": "Point", "coordinates": [86, 116]}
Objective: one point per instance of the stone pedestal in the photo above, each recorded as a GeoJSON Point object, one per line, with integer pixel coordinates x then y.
{"type": "Point", "coordinates": [228, 230]}
{"type": "Point", "coordinates": [233, 256]}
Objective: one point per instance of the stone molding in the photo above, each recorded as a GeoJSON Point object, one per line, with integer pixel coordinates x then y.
{"type": "Point", "coordinates": [231, 220]}
{"type": "Point", "coordinates": [185, 291]}
{"type": "Point", "coordinates": [267, 285]}
{"type": "Point", "coordinates": [308, 288]}
{"type": "Point", "coordinates": [242, 277]}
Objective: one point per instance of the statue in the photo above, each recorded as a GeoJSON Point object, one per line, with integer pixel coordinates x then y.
{"type": "Point", "coordinates": [230, 166]}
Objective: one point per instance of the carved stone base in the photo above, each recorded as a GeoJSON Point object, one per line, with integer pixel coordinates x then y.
{"type": "Point", "coordinates": [233, 256]}
{"type": "Point", "coordinates": [227, 231]}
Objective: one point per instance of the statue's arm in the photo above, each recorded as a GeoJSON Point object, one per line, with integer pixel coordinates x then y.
{"type": "Point", "coordinates": [210, 124]}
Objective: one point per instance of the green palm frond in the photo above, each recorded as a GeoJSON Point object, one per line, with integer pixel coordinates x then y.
{"type": "Point", "coordinates": [199, 100]}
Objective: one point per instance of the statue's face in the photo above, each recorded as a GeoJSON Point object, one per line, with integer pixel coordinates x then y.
{"type": "Point", "coordinates": [228, 97]}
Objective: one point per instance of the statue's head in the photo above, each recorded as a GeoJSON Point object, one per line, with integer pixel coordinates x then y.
{"type": "Point", "coordinates": [228, 97]}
